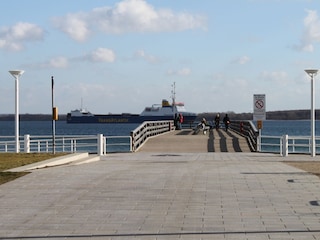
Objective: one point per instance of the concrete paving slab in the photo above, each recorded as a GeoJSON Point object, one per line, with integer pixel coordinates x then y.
{"type": "Point", "coordinates": [165, 196]}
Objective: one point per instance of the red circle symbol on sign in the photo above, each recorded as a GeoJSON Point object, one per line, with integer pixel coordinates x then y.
{"type": "Point", "coordinates": [259, 104]}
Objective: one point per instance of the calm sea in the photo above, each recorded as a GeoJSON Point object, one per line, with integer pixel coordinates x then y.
{"type": "Point", "coordinates": [7, 128]}
{"type": "Point", "coordinates": [270, 128]}
{"type": "Point", "coordinates": [289, 127]}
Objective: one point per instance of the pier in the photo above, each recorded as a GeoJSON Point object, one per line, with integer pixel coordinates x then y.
{"type": "Point", "coordinates": [177, 185]}
{"type": "Point", "coordinates": [188, 140]}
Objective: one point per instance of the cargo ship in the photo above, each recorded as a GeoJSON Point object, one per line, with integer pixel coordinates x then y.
{"type": "Point", "coordinates": [156, 112]}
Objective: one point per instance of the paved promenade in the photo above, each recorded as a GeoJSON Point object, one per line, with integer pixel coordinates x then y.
{"type": "Point", "coordinates": [160, 195]}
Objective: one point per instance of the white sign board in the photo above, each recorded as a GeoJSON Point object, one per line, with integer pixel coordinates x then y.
{"type": "Point", "coordinates": [259, 107]}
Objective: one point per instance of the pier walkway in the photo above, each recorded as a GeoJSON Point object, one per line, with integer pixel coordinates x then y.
{"type": "Point", "coordinates": [187, 141]}
{"type": "Point", "coordinates": [165, 194]}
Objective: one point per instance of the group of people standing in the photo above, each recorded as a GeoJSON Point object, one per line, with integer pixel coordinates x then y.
{"type": "Point", "coordinates": [226, 121]}
{"type": "Point", "coordinates": [178, 120]}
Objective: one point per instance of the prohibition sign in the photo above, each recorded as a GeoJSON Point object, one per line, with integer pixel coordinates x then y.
{"type": "Point", "coordinates": [259, 104]}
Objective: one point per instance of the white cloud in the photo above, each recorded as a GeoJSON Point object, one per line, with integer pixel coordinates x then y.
{"type": "Point", "coordinates": [242, 60]}
{"type": "Point", "coordinates": [311, 33]}
{"type": "Point", "coordinates": [74, 25]}
{"type": "Point", "coordinates": [57, 62]}
{"type": "Point", "coordinates": [127, 16]}
{"type": "Point", "coordinates": [14, 37]}
{"type": "Point", "coordinates": [180, 72]}
{"type": "Point", "coordinates": [102, 55]}
{"type": "Point", "coordinates": [141, 54]}
{"type": "Point", "coordinates": [98, 55]}
{"type": "Point", "coordinates": [280, 77]}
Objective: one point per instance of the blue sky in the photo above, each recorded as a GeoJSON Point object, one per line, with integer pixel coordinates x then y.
{"type": "Point", "coordinates": [121, 56]}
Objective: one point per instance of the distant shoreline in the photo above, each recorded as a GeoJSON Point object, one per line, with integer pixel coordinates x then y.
{"type": "Point", "coordinates": [303, 114]}
{"type": "Point", "coordinates": [31, 117]}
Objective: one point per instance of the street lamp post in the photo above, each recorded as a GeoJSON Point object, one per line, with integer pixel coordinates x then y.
{"type": "Point", "coordinates": [312, 73]}
{"type": "Point", "coordinates": [16, 74]}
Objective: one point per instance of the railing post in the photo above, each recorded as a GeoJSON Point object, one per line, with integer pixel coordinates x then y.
{"type": "Point", "coordinates": [284, 145]}
{"type": "Point", "coordinates": [74, 145]}
{"type": "Point", "coordinates": [259, 142]}
{"type": "Point", "coordinates": [132, 141]}
{"type": "Point", "coordinates": [293, 145]}
{"type": "Point", "coordinates": [100, 144]}
{"type": "Point", "coordinates": [104, 145]}
{"type": "Point", "coordinates": [27, 143]}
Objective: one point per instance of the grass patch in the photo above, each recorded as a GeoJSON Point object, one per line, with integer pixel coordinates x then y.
{"type": "Point", "coordinates": [312, 167]}
{"type": "Point", "coordinates": [13, 160]}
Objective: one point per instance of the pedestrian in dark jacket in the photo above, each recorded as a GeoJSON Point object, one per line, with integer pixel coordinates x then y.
{"type": "Point", "coordinates": [226, 121]}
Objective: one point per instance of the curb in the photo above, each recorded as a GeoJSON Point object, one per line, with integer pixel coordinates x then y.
{"type": "Point", "coordinates": [51, 162]}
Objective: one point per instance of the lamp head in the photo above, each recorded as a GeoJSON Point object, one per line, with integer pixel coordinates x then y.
{"type": "Point", "coordinates": [311, 71]}
{"type": "Point", "coordinates": [16, 73]}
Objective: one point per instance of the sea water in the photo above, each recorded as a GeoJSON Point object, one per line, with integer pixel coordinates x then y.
{"type": "Point", "coordinates": [44, 128]}
{"type": "Point", "coordinates": [288, 127]}
{"type": "Point", "coordinates": [7, 128]}
{"type": "Point", "coordinates": [270, 128]}
{"type": "Point", "coordinates": [298, 131]}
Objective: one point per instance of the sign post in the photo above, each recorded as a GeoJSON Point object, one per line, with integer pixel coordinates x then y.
{"type": "Point", "coordinates": [54, 118]}
{"type": "Point", "coordinates": [259, 114]}
{"type": "Point", "coordinates": [259, 107]}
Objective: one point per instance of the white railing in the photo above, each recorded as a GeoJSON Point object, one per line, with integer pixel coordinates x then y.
{"type": "Point", "coordinates": [149, 129]}
{"type": "Point", "coordinates": [68, 143]}
{"type": "Point", "coordinates": [87, 143]}
{"type": "Point", "coordinates": [287, 144]}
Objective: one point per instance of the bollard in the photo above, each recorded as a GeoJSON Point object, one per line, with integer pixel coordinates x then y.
{"type": "Point", "coordinates": [285, 146]}
{"type": "Point", "coordinates": [100, 144]}
{"type": "Point", "coordinates": [27, 143]}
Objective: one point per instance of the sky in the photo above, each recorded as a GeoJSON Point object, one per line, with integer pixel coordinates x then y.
{"type": "Point", "coordinates": [121, 56]}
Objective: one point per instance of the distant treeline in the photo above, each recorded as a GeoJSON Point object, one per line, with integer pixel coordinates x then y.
{"type": "Point", "coordinates": [30, 117]}
{"type": "Point", "coordinates": [272, 115]}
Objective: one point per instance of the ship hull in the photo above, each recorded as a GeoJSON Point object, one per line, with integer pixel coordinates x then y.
{"type": "Point", "coordinates": [123, 119]}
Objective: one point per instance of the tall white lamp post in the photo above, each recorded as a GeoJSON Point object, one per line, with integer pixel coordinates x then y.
{"type": "Point", "coordinates": [312, 73]}
{"type": "Point", "coordinates": [16, 74]}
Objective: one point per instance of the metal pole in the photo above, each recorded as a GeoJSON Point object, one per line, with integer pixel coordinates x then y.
{"type": "Point", "coordinates": [16, 74]}
{"type": "Point", "coordinates": [312, 73]}
{"type": "Point", "coordinates": [17, 114]}
{"type": "Point", "coordinates": [313, 147]}
{"type": "Point", "coordinates": [53, 119]}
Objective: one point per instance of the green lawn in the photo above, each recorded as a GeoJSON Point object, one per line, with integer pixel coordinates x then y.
{"type": "Point", "coordinates": [13, 160]}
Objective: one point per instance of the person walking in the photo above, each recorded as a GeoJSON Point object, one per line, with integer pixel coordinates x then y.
{"type": "Point", "coordinates": [226, 121]}
{"type": "Point", "coordinates": [217, 121]}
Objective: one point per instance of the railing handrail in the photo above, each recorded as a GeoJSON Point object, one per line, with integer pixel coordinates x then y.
{"type": "Point", "coordinates": [74, 143]}
{"type": "Point", "coordinates": [287, 144]}
{"type": "Point", "coordinates": [247, 129]}
{"type": "Point", "coordinates": [149, 129]}
{"type": "Point", "coordinates": [43, 143]}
